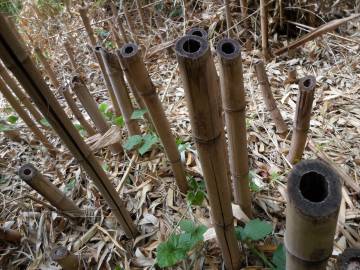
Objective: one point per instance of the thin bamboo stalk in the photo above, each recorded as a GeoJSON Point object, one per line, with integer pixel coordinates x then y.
{"type": "Point", "coordinates": [234, 104]}
{"type": "Point", "coordinates": [270, 102]}
{"type": "Point", "coordinates": [66, 259]}
{"type": "Point", "coordinates": [228, 16]}
{"type": "Point", "coordinates": [47, 67]}
{"type": "Point", "coordinates": [83, 94]}
{"type": "Point", "coordinates": [292, 75]}
{"type": "Point", "coordinates": [302, 118]}
{"type": "Point", "coordinates": [142, 16]}
{"type": "Point", "coordinates": [129, 22]}
{"type": "Point", "coordinates": [116, 75]}
{"type": "Point", "coordinates": [314, 192]}
{"type": "Point", "coordinates": [264, 30]}
{"type": "Point", "coordinates": [49, 191]}
{"type": "Point", "coordinates": [83, 11]}
{"type": "Point", "coordinates": [12, 134]}
{"type": "Point", "coordinates": [135, 68]}
{"type": "Point", "coordinates": [198, 31]}
{"type": "Point", "coordinates": [244, 9]}
{"type": "Point", "coordinates": [10, 235]}
{"type": "Point", "coordinates": [349, 259]}
{"type": "Point", "coordinates": [15, 104]}
{"type": "Point", "coordinates": [117, 20]}
{"type": "Point", "coordinates": [17, 60]}
{"type": "Point", "coordinates": [70, 52]}
{"type": "Point", "coordinates": [201, 92]}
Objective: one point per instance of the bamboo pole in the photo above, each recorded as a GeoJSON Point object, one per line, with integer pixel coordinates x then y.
{"type": "Point", "coordinates": [47, 67]}
{"type": "Point", "coordinates": [49, 191]}
{"type": "Point", "coordinates": [302, 118]}
{"type": "Point", "coordinates": [198, 31]}
{"type": "Point", "coordinates": [244, 9]}
{"type": "Point", "coordinates": [129, 22]}
{"type": "Point", "coordinates": [201, 91]}
{"type": "Point", "coordinates": [228, 16]}
{"type": "Point", "coordinates": [116, 75]}
{"type": "Point", "coordinates": [70, 52]}
{"type": "Point", "coordinates": [117, 20]}
{"type": "Point", "coordinates": [66, 259]}
{"type": "Point", "coordinates": [83, 94]}
{"type": "Point", "coordinates": [349, 260]}
{"type": "Point", "coordinates": [17, 60]}
{"type": "Point", "coordinates": [314, 192]}
{"type": "Point", "coordinates": [12, 134]}
{"type": "Point", "coordinates": [270, 102]}
{"type": "Point", "coordinates": [264, 30]}
{"type": "Point", "coordinates": [142, 16]}
{"type": "Point", "coordinates": [234, 104]}
{"type": "Point", "coordinates": [10, 235]}
{"type": "Point", "coordinates": [15, 104]}
{"type": "Point", "coordinates": [135, 68]}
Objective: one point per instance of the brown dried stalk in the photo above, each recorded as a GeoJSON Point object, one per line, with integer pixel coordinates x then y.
{"type": "Point", "coordinates": [66, 259]}
{"type": "Point", "coordinates": [142, 16]}
{"type": "Point", "coordinates": [12, 134]}
{"type": "Point", "coordinates": [10, 235]}
{"type": "Point", "coordinates": [270, 102]}
{"type": "Point", "coordinates": [201, 91]}
{"type": "Point", "coordinates": [302, 118]}
{"type": "Point", "coordinates": [83, 94]}
{"type": "Point", "coordinates": [18, 61]}
{"type": "Point", "coordinates": [49, 191]}
{"type": "Point", "coordinates": [264, 30]}
{"type": "Point", "coordinates": [314, 191]}
{"type": "Point", "coordinates": [349, 259]}
{"type": "Point", "coordinates": [47, 68]}
{"type": "Point", "coordinates": [233, 99]}
{"type": "Point", "coordinates": [135, 68]}
{"type": "Point", "coordinates": [228, 16]}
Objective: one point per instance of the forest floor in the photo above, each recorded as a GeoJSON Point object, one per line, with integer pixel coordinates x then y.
{"type": "Point", "coordinates": [146, 182]}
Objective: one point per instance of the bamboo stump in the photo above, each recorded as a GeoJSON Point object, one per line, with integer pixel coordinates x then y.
{"type": "Point", "coordinates": [292, 75]}
{"type": "Point", "coordinates": [198, 31]}
{"type": "Point", "coordinates": [66, 259]}
{"type": "Point", "coordinates": [349, 260]}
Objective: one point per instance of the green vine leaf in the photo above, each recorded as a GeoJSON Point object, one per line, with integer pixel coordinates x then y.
{"type": "Point", "coordinates": [279, 258]}
{"type": "Point", "coordinates": [257, 229]}
{"type": "Point", "coordinates": [149, 141]}
{"type": "Point", "coordinates": [138, 114]}
{"type": "Point", "coordinates": [12, 119]}
{"type": "Point", "coordinates": [132, 142]}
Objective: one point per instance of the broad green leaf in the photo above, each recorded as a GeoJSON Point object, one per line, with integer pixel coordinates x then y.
{"type": "Point", "coordinates": [78, 126]}
{"type": "Point", "coordinates": [103, 107]}
{"type": "Point", "coordinates": [149, 141]}
{"type": "Point", "coordinates": [195, 197]}
{"type": "Point", "coordinates": [119, 121]}
{"type": "Point", "coordinates": [187, 226]}
{"type": "Point", "coordinates": [109, 115]}
{"type": "Point", "coordinates": [257, 229]}
{"type": "Point", "coordinates": [118, 267]}
{"type": "Point", "coordinates": [70, 185]}
{"type": "Point", "coordinates": [279, 258]}
{"type": "Point", "coordinates": [176, 12]}
{"type": "Point", "coordinates": [198, 234]}
{"type": "Point", "coordinates": [170, 253]}
{"type": "Point", "coordinates": [183, 146]}
{"type": "Point", "coordinates": [45, 122]}
{"type": "Point", "coordinates": [254, 187]}
{"type": "Point", "coordinates": [239, 232]}
{"type": "Point", "coordinates": [105, 167]}
{"type": "Point", "coordinates": [138, 114]}
{"type": "Point", "coordinates": [132, 142]}
{"type": "Point", "coordinates": [12, 119]}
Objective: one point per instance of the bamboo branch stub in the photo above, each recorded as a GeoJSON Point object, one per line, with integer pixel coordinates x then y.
{"type": "Point", "coordinates": [10, 235]}
{"type": "Point", "coordinates": [66, 259]}
{"type": "Point", "coordinates": [136, 70]}
{"type": "Point", "coordinates": [234, 104]}
{"type": "Point", "coordinates": [198, 31]}
{"type": "Point", "coordinates": [349, 259]}
{"type": "Point", "coordinates": [201, 92]}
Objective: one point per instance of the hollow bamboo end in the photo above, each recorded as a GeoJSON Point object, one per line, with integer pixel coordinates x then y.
{"type": "Point", "coordinates": [59, 253]}
{"type": "Point", "coordinates": [307, 83]}
{"type": "Point", "coordinates": [129, 50]}
{"type": "Point", "coordinates": [191, 47]}
{"type": "Point", "coordinates": [349, 259]}
{"type": "Point", "coordinates": [198, 31]}
{"type": "Point", "coordinates": [228, 49]}
{"type": "Point", "coordinates": [27, 172]}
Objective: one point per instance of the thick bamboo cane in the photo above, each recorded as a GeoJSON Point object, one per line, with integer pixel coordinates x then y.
{"type": "Point", "coordinates": [89, 104]}
{"type": "Point", "coordinates": [234, 104]}
{"type": "Point", "coordinates": [65, 92]}
{"type": "Point", "coordinates": [349, 259]}
{"type": "Point", "coordinates": [16, 59]}
{"type": "Point", "coordinates": [228, 17]}
{"type": "Point", "coordinates": [201, 91]}
{"type": "Point", "coordinates": [10, 235]}
{"type": "Point", "coordinates": [15, 104]}
{"type": "Point", "coordinates": [12, 134]}
{"type": "Point", "coordinates": [270, 102]}
{"type": "Point", "coordinates": [314, 191]}
{"type": "Point", "coordinates": [49, 191]}
{"type": "Point", "coordinates": [198, 31]}
{"type": "Point", "coordinates": [302, 118]}
{"type": "Point", "coordinates": [47, 67]}
{"type": "Point", "coordinates": [264, 30]}
{"type": "Point", "coordinates": [116, 75]}
{"type": "Point", "coordinates": [135, 68]}
{"type": "Point", "coordinates": [142, 16]}
{"type": "Point", "coordinates": [66, 259]}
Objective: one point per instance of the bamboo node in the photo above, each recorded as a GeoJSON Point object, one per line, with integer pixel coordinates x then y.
{"type": "Point", "coordinates": [208, 141]}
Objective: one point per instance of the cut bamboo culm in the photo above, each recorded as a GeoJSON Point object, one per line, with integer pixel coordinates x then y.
{"type": "Point", "coordinates": [10, 235]}
{"type": "Point", "coordinates": [264, 30]}
{"type": "Point", "coordinates": [233, 99]}
{"type": "Point", "coordinates": [116, 76]}
{"type": "Point", "coordinates": [142, 16]}
{"type": "Point", "coordinates": [314, 192]}
{"type": "Point", "coordinates": [66, 259]}
{"type": "Point", "coordinates": [349, 260]}
{"type": "Point", "coordinates": [302, 118]}
{"type": "Point", "coordinates": [198, 31]}
{"type": "Point", "coordinates": [83, 94]}
{"type": "Point", "coordinates": [201, 92]}
{"type": "Point", "coordinates": [49, 191]}
{"type": "Point", "coordinates": [17, 60]}
{"type": "Point", "coordinates": [136, 70]}
{"type": "Point", "coordinates": [228, 16]}
{"type": "Point", "coordinates": [270, 102]}
{"type": "Point", "coordinates": [292, 75]}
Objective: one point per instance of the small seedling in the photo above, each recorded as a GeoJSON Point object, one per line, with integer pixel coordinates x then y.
{"type": "Point", "coordinates": [196, 193]}
{"type": "Point", "coordinates": [12, 119]}
{"type": "Point", "coordinates": [143, 143]}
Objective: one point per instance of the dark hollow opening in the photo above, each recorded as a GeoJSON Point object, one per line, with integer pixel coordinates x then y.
{"type": "Point", "coordinates": [197, 33]}
{"type": "Point", "coordinates": [354, 264]}
{"type": "Point", "coordinates": [313, 187]}
{"type": "Point", "coordinates": [228, 48]}
{"type": "Point", "coordinates": [307, 82]}
{"type": "Point", "coordinates": [191, 46]}
{"type": "Point", "coordinates": [129, 49]}
{"type": "Point", "coordinates": [27, 171]}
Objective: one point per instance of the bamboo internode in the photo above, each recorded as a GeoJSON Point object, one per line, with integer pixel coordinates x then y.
{"type": "Point", "coordinates": [349, 260]}
{"type": "Point", "coordinates": [228, 16]}
{"type": "Point", "coordinates": [70, 52]}
{"type": "Point", "coordinates": [135, 68]}
{"type": "Point", "coordinates": [264, 29]}
{"type": "Point", "coordinates": [66, 259]}
{"type": "Point", "coordinates": [233, 98]}
{"type": "Point", "coordinates": [314, 191]}
{"type": "Point", "coordinates": [17, 60]}
{"type": "Point", "coordinates": [201, 91]}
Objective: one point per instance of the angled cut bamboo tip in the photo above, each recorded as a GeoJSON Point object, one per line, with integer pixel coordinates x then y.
{"type": "Point", "coordinates": [234, 104]}
{"type": "Point", "coordinates": [47, 67]}
{"type": "Point", "coordinates": [349, 260]}
{"type": "Point", "coordinates": [292, 75]}
{"type": "Point", "coordinates": [49, 191]}
{"type": "Point", "coordinates": [302, 118]}
{"type": "Point", "coordinates": [199, 78]}
{"type": "Point", "coordinates": [135, 68]}
{"type": "Point", "coordinates": [10, 235]}
{"type": "Point", "coordinates": [66, 259]}
{"type": "Point", "coordinates": [198, 31]}
{"type": "Point", "coordinates": [270, 102]}
{"type": "Point", "coordinates": [314, 191]}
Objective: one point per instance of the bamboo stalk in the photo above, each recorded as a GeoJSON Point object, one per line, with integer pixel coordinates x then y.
{"type": "Point", "coordinates": [15, 104]}
{"type": "Point", "coordinates": [10, 235]}
{"type": "Point", "coordinates": [66, 259]}
{"type": "Point", "coordinates": [17, 60]}
{"type": "Point", "coordinates": [70, 52]}
{"type": "Point", "coordinates": [270, 102]}
{"type": "Point", "coordinates": [201, 91]}
{"type": "Point", "coordinates": [83, 94]}
{"type": "Point", "coordinates": [12, 134]}
{"type": "Point", "coordinates": [302, 118]}
{"type": "Point", "coordinates": [234, 104]}
{"type": "Point", "coordinates": [83, 11]}
{"type": "Point", "coordinates": [47, 67]}
{"type": "Point", "coordinates": [228, 16]}
{"type": "Point", "coordinates": [314, 192]}
{"type": "Point", "coordinates": [117, 20]}
{"type": "Point", "coordinates": [49, 191]}
{"type": "Point", "coordinates": [292, 75]}
{"type": "Point", "coordinates": [349, 260]}
{"type": "Point", "coordinates": [198, 31]}
{"type": "Point", "coordinates": [130, 23]}
{"type": "Point", "coordinates": [244, 9]}
{"type": "Point", "coordinates": [264, 30]}
{"type": "Point", "coordinates": [116, 75]}
{"type": "Point", "coordinates": [142, 16]}
{"type": "Point", "coordinates": [135, 68]}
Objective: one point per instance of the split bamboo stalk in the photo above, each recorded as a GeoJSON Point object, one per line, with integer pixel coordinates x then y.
{"type": "Point", "coordinates": [65, 92]}
{"type": "Point", "coordinates": [349, 260]}
{"type": "Point", "coordinates": [201, 92]}
{"type": "Point", "coordinates": [198, 31]}
{"type": "Point", "coordinates": [228, 16]}
{"type": "Point", "coordinates": [17, 60]}
{"type": "Point", "coordinates": [66, 259]}
{"type": "Point", "coordinates": [142, 16]}
{"type": "Point", "coordinates": [24, 99]}
{"type": "Point", "coordinates": [47, 67]}
{"type": "Point", "coordinates": [135, 68]}
{"type": "Point", "coordinates": [264, 30]}
{"type": "Point", "coordinates": [12, 134]}
{"type": "Point", "coordinates": [116, 75]}
{"type": "Point", "coordinates": [234, 104]}
{"type": "Point", "coordinates": [302, 118]}
{"type": "Point", "coordinates": [314, 192]}
{"type": "Point", "coordinates": [15, 104]}
{"type": "Point", "coordinates": [270, 102]}
{"type": "Point", "coordinates": [130, 22]}
{"type": "Point", "coordinates": [83, 94]}
{"type": "Point", "coordinates": [10, 235]}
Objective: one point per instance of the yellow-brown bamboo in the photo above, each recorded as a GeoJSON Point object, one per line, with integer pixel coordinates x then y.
{"type": "Point", "coordinates": [117, 21]}
{"type": "Point", "coordinates": [129, 22]}
{"type": "Point", "coordinates": [135, 68]}
{"type": "Point", "coordinates": [47, 67]}
{"type": "Point", "coordinates": [70, 52]}
{"type": "Point", "coordinates": [142, 16]}
{"type": "Point", "coordinates": [264, 29]}
{"type": "Point", "coordinates": [10, 235]}
{"type": "Point", "coordinates": [201, 92]}
{"type": "Point", "coordinates": [66, 259]}
{"type": "Point", "coordinates": [292, 75]}
{"type": "Point", "coordinates": [228, 17]}
{"type": "Point", "coordinates": [349, 259]}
